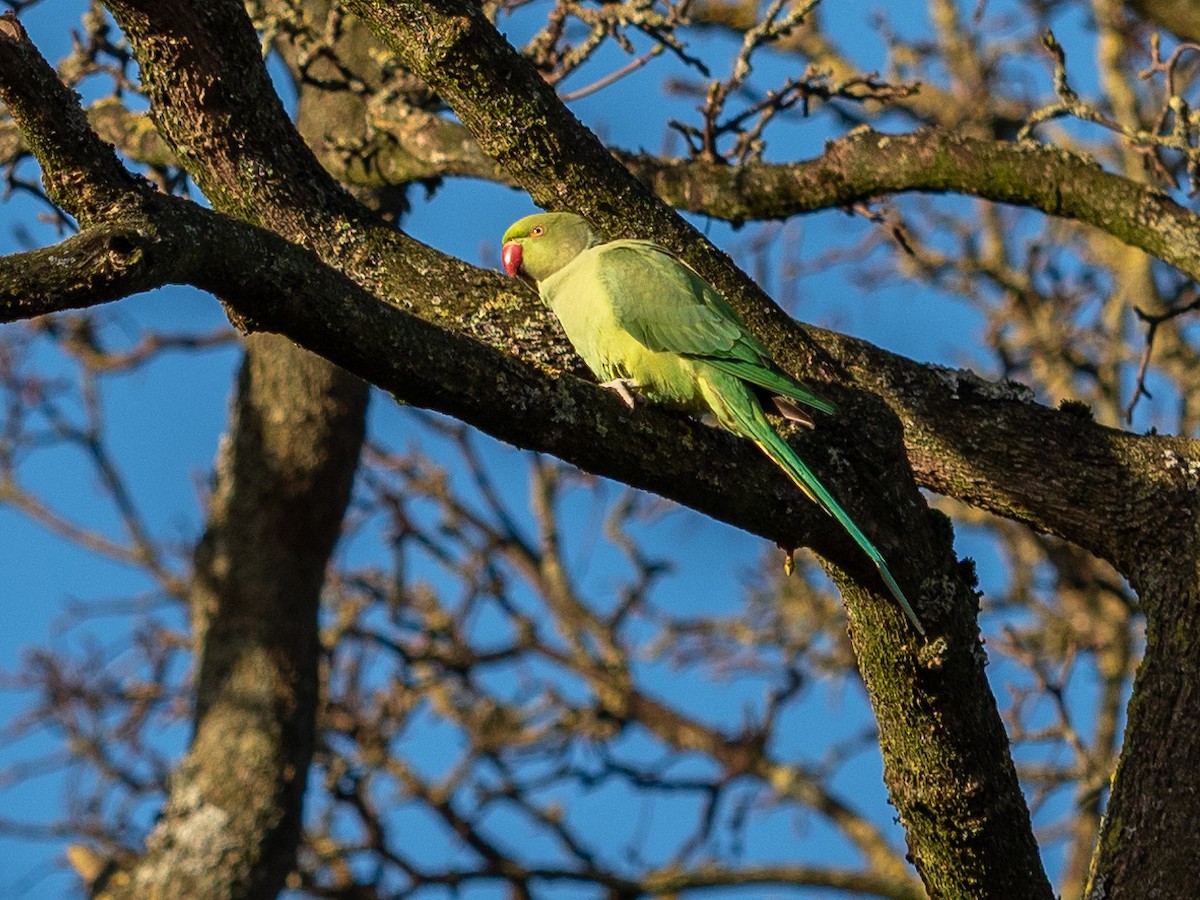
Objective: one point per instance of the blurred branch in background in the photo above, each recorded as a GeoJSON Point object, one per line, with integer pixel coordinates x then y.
{"type": "Point", "coordinates": [529, 679]}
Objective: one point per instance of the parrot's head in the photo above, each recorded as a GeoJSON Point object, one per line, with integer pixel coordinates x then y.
{"type": "Point", "coordinates": [537, 246]}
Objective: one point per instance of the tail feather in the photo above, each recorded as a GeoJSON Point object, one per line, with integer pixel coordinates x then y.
{"type": "Point", "coordinates": [772, 444]}
{"type": "Point", "coordinates": [783, 455]}
{"type": "Point", "coordinates": [786, 459]}
{"type": "Point", "coordinates": [736, 409]}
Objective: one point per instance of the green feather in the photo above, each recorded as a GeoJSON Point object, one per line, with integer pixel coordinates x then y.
{"type": "Point", "coordinates": [742, 415]}
{"type": "Point", "coordinates": [636, 313]}
{"type": "Point", "coordinates": [697, 323]}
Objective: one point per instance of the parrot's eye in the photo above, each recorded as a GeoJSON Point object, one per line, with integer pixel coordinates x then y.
{"type": "Point", "coordinates": [537, 231]}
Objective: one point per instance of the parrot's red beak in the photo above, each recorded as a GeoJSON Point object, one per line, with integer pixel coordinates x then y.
{"type": "Point", "coordinates": [510, 257]}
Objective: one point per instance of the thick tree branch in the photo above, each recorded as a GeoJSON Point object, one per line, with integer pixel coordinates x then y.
{"type": "Point", "coordinates": [946, 457]}
{"type": "Point", "coordinates": [911, 775]}
{"type": "Point", "coordinates": [100, 264]}
{"type": "Point", "coordinates": [300, 197]}
{"type": "Point", "coordinates": [81, 173]}
{"type": "Point", "coordinates": [517, 403]}
{"type": "Point", "coordinates": [454, 49]}
{"type": "Point", "coordinates": [853, 169]}
{"type": "Point", "coordinates": [232, 820]}
{"type": "Point", "coordinates": [428, 366]}
{"type": "Point", "coordinates": [910, 388]}
{"type": "Point", "coordinates": [296, 294]}
{"type": "Point", "coordinates": [868, 165]}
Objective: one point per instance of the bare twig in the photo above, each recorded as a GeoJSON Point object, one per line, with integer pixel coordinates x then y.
{"type": "Point", "coordinates": [1153, 322]}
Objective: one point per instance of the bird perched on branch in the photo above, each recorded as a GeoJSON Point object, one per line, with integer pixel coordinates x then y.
{"type": "Point", "coordinates": [646, 323]}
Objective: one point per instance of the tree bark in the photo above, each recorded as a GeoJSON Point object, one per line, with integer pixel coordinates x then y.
{"type": "Point", "coordinates": [1129, 498]}
{"type": "Point", "coordinates": [233, 819]}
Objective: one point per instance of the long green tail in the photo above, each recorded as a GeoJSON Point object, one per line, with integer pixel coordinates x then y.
{"type": "Point", "coordinates": [775, 447]}
{"type": "Point", "coordinates": [786, 459]}
{"type": "Point", "coordinates": [737, 410]}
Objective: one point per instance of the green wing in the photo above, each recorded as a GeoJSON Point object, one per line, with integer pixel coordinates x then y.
{"type": "Point", "coordinates": [665, 305]}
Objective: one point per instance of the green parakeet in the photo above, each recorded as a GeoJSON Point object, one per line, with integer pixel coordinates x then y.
{"type": "Point", "coordinates": [645, 322]}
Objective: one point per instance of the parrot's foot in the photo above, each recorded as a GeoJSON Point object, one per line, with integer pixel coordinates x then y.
{"type": "Point", "coordinates": [621, 387]}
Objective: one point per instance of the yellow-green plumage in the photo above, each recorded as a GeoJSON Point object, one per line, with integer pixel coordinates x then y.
{"type": "Point", "coordinates": [644, 321]}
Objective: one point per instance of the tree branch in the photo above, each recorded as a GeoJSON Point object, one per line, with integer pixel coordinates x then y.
{"type": "Point", "coordinates": [945, 452]}
{"type": "Point", "coordinates": [81, 173]}
{"type": "Point", "coordinates": [853, 169]}
{"type": "Point", "coordinates": [232, 820]}
{"type": "Point", "coordinates": [941, 699]}
{"type": "Point", "coordinates": [883, 656]}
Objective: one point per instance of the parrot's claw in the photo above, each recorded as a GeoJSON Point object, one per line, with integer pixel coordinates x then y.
{"type": "Point", "coordinates": [621, 386]}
